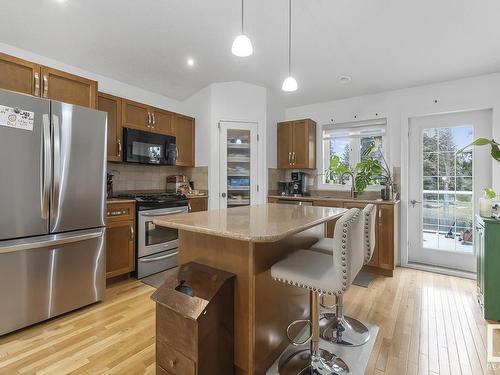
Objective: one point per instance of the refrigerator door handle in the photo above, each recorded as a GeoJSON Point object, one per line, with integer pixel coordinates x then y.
{"type": "Point", "coordinates": [46, 167]}
{"type": "Point", "coordinates": [57, 166]}
{"type": "Point", "coordinates": [48, 241]}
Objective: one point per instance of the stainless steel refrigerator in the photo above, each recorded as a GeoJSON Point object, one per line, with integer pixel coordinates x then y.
{"type": "Point", "coordinates": [52, 203]}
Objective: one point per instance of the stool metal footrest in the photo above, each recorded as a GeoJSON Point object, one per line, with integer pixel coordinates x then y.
{"type": "Point", "coordinates": [292, 341]}
{"type": "Point", "coordinates": [345, 331]}
{"type": "Point", "coordinates": [299, 361]}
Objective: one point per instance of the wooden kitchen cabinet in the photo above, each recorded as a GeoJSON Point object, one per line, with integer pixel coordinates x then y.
{"type": "Point", "coordinates": [198, 204]}
{"type": "Point", "coordinates": [297, 144]}
{"type": "Point", "coordinates": [19, 75]}
{"type": "Point", "coordinates": [135, 115]}
{"type": "Point", "coordinates": [162, 121]}
{"type": "Point", "coordinates": [112, 105]}
{"type": "Point", "coordinates": [68, 88]}
{"type": "Point", "coordinates": [30, 78]}
{"type": "Point", "coordinates": [120, 238]}
{"type": "Point", "coordinates": [185, 140]}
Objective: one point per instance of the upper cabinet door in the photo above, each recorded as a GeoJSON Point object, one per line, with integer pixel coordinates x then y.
{"type": "Point", "coordinates": [136, 115]}
{"type": "Point", "coordinates": [68, 88]}
{"type": "Point", "coordinates": [162, 122]}
{"type": "Point", "coordinates": [185, 134]}
{"type": "Point", "coordinates": [285, 140]}
{"type": "Point", "coordinates": [19, 75]}
{"type": "Point", "coordinates": [112, 105]}
{"type": "Point", "coordinates": [304, 144]}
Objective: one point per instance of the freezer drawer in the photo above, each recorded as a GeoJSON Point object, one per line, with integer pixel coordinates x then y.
{"type": "Point", "coordinates": [156, 263]}
{"type": "Point", "coordinates": [49, 275]}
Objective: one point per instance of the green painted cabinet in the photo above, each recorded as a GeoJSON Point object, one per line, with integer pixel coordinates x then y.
{"type": "Point", "coordinates": [487, 244]}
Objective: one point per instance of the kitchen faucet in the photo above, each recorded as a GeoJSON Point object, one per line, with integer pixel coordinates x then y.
{"type": "Point", "coordinates": [354, 193]}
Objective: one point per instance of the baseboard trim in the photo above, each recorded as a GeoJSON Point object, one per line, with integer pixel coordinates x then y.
{"type": "Point", "coordinates": [441, 270]}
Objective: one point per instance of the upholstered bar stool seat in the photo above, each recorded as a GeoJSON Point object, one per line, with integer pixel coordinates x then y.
{"type": "Point", "coordinates": [339, 328]}
{"type": "Point", "coordinates": [320, 274]}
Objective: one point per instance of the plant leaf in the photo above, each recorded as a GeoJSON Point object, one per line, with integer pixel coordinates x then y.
{"type": "Point", "coordinates": [479, 142]}
{"type": "Point", "coordinates": [495, 152]}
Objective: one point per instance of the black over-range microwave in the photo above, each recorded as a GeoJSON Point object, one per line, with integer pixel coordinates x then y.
{"type": "Point", "coordinates": [148, 148]}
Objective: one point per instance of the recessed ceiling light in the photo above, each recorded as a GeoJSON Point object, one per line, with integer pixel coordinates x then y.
{"type": "Point", "coordinates": [345, 79]}
{"type": "Point", "coordinates": [60, 1]}
{"type": "Point", "coordinates": [190, 61]}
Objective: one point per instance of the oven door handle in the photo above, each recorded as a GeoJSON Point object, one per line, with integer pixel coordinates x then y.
{"type": "Point", "coordinates": [184, 210]}
{"type": "Point", "coordinates": [148, 260]}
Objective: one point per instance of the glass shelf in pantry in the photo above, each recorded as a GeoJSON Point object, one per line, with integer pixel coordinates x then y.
{"type": "Point", "coordinates": [238, 188]}
{"type": "Point", "coordinates": [236, 174]}
{"type": "Point", "coordinates": [240, 159]}
{"type": "Point", "coordinates": [238, 145]}
{"type": "Point", "coordinates": [238, 202]}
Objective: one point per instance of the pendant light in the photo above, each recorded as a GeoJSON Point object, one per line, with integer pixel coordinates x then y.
{"type": "Point", "coordinates": [289, 84]}
{"type": "Point", "coordinates": [242, 46]}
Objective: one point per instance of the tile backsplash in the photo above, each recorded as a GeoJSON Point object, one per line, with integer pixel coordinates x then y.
{"type": "Point", "coordinates": [153, 177]}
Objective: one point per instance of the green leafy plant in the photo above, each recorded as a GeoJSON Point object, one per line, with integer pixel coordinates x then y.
{"type": "Point", "coordinates": [490, 194]}
{"type": "Point", "coordinates": [367, 172]}
{"type": "Point", "coordinates": [495, 150]}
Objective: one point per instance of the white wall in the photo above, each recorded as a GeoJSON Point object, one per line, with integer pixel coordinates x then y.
{"type": "Point", "coordinates": [275, 114]}
{"type": "Point", "coordinates": [482, 92]}
{"type": "Point", "coordinates": [107, 85]}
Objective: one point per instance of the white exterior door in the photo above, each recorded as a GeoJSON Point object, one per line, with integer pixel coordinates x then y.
{"type": "Point", "coordinates": [238, 164]}
{"type": "Point", "coordinates": [444, 187]}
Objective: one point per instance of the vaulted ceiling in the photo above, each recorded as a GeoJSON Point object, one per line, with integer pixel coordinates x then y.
{"type": "Point", "coordinates": [382, 44]}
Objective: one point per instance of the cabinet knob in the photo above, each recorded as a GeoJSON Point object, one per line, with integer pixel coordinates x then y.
{"type": "Point", "coordinates": [172, 362]}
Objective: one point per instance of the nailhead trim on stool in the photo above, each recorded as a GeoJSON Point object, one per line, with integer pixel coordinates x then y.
{"type": "Point", "coordinates": [347, 227]}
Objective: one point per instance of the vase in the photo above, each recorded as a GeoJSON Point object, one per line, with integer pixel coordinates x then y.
{"type": "Point", "coordinates": [485, 207]}
{"type": "Point", "coordinates": [387, 193]}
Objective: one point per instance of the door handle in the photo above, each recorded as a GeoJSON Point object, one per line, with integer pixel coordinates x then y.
{"type": "Point", "coordinates": [413, 202]}
{"type": "Point", "coordinates": [45, 86]}
{"type": "Point", "coordinates": [47, 166]}
{"type": "Point", "coordinates": [224, 195]}
{"type": "Point", "coordinates": [57, 165]}
{"type": "Point", "coordinates": [37, 84]}
{"type": "Point", "coordinates": [119, 148]}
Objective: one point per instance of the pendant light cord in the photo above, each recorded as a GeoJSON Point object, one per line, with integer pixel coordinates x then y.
{"type": "Point", "coordinates": [289, 38]}
{"type": "Point", "coordinates": [242, 17]}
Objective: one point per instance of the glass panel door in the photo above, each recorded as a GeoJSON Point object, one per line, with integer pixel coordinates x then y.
{"type": "Point", "coordinates": [444, 187]}
{"type": "Point", "coordinates": [238, 164]}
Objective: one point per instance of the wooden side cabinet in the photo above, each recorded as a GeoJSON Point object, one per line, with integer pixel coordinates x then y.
{"type": "Point", "coordinates": [30, 78]}
{"type": "Point", "coordinates": [112, 105]}
{"type": "Point", "coordinates": [198, 204]}
{"type": "Point", "coordinates": [146, 118]}
{"type": "Point", "coordinates": [297, 144]}
{"type": "Point", "coordinates": [185, 140]}
{"type": "Point", "coordinates": [486, 242]}
{"type": "Point", "coordinates": [120, 238]}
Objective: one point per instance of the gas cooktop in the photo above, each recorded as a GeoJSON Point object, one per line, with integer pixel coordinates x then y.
{"type": "Point", "coordinates": [154, 200]}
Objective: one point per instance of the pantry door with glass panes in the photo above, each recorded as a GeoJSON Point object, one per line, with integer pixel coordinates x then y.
{"type": "Point", "coordinates": [238, 164]}
{"type": "Point", "coordinates": [444, 187]}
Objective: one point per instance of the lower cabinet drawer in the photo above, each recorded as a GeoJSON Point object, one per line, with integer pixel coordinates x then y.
{"type": "Point", "coordinates": [171, 361]}
{"type": "Point", "coordinates": [157, 262]}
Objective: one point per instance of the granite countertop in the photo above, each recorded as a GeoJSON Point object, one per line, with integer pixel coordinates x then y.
{"type": "Point", "coordinates": [260, 223]}
{"type": "Point", "coordinates": [334, 199]}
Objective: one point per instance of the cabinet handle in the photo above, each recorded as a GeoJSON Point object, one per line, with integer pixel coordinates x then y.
{"type": "Point", "coordinates": [176, 152]}
{"type": "Point", "coordinates": [149, 119]}
{"type": "Point", "coordinates": [189, 207]}
{"type": "Point", "coordinates": [37, 84]}
{"type": "Point", "coordinates": [293, 158]}
{"type": "Point", "coordinates": [290, 158]}
{"type": "Point", "coordinates": [154, 120]}
{"type": "Point", "coordinates": [119, 148]}
{"type": "Point", "coordinates": [172, 363]}
{"type": "Point", "coordinates": [45, 86]}
{"type": "Point", "coordinates": [131, 233]}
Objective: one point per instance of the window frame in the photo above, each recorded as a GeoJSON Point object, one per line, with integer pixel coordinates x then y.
{"type": "Point", "coordinates": [354, 158]}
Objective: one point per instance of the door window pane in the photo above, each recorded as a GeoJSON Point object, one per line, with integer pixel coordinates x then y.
{"type": "Point", "coordinates": [238, 167]}
{"type": "Point", "coordinates": [447, 206]}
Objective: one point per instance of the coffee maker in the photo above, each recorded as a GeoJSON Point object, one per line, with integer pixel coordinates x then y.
{"type": "Point", "coordinates": [299, 183]}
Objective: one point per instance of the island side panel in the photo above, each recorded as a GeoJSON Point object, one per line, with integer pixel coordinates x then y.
{"type": "Point", "coordinates": [236, 257]}
{"type": "Point", "coordinates": [277, 304]}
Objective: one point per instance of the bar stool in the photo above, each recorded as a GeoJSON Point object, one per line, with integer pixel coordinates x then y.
{"type": "Point", "coordinates": [338, 328]}
{"type": "Point", "coordinates": [321, 274]}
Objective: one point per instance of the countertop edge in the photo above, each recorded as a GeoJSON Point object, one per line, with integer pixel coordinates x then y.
{"type": "Point", "coordinates": [260, 239]}
{"type": "Point", "coordinates": [333, 199]}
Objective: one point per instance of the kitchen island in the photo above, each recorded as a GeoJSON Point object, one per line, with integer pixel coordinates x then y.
{"type": "Point", "coordinates": [247, 241]}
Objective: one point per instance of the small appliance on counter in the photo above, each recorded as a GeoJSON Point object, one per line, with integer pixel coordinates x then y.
{"type": "Point", "coordinates": [109, 185]}
{"type": "Point", "coordinates": [178, 184]}
{"type": "Point", "coordinates": [299, 183]}
{"type": "Point", "coordinates": [285, 188]}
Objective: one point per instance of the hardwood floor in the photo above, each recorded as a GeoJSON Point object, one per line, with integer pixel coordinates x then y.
{"type": "Point", "coordinates": [429, 324]}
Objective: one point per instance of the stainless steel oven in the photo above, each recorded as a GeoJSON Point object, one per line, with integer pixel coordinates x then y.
{"type": "Point", "coordinates": [157, 246]}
